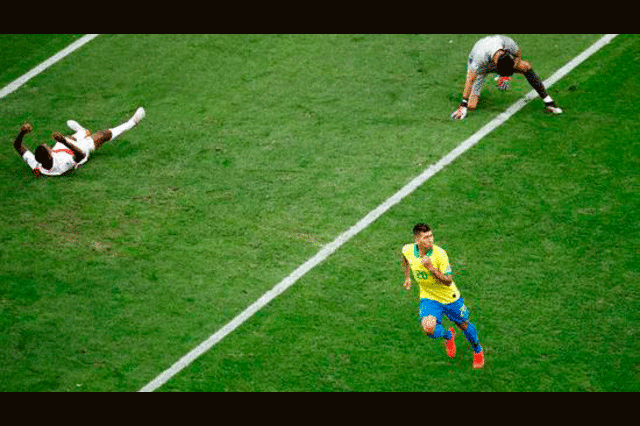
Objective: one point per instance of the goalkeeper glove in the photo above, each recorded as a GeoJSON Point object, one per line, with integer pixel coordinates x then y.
{"type": "Point", "coordinates": [461, 112]}
{"type": "Point", "coordinates": [503, 83]}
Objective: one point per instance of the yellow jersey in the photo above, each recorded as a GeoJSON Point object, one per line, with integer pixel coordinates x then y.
{"type": "Point", "coordinates": [430, 288]}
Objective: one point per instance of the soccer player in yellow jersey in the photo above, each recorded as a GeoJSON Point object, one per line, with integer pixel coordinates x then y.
{"type": "Point", "coordinates": [438, 292]}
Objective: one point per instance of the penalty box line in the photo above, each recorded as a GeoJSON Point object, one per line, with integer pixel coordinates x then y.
{"type": "Point", "coordinates": [330, 248]}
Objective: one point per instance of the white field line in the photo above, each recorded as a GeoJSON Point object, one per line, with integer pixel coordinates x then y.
{"type": "Point", "coordinates": [366, 221]}
{"type": "Point", "coordinates": [15, 85]}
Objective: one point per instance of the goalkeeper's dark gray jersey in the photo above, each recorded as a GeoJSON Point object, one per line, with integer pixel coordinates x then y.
{"type": "Point", "coordinates": [485, 48]}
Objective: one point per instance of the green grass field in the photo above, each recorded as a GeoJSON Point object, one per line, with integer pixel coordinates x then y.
{"type": "Point", "coordinates": [256, 151]}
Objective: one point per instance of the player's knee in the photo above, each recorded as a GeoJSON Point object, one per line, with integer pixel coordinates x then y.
{"type": "Point", "coordinates": [101, 137]}
{"type": "Point", "coordinates": [101, 134]}
{"type": "Point", "coordinates": [429, 325]}
{"type": "Point", "coordinates": [523, 67]}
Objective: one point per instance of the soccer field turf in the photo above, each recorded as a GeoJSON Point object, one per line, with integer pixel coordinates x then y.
{"type": "Point", "coordinates": [258, 150]}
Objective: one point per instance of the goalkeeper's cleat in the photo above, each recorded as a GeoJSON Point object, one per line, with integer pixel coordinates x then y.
{"type": "Point", "coordinates": [553, 109]}
{"type": "Point", "coordinates": [451, 344]}
{"type": "Point", "coordinates": [503, 83]}
{"type": "Point", "coordinates": [139, 115]}
{"type": "Point", "coordinates": [478, 360]}
{"type": "Point", "coordinates": [460, 113]}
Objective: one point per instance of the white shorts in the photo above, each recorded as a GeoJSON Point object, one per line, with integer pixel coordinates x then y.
{"type": "Point", "coordinates": [83, 142]}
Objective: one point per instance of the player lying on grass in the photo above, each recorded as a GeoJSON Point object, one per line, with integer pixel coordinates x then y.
{"type": "Point", "coordinates": [69, 152]}
{"type": "Point", "coordinates": [438, 292]}
{"type": "Point", "coordinates": [498, 54]}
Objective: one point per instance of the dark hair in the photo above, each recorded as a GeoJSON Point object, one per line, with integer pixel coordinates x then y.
{"type": "Point", "coordinates": [420, 228]}
{"type": "Point", "coordinates": [505, 64]}
{"type": "Point", "coordinates": [43, 157]}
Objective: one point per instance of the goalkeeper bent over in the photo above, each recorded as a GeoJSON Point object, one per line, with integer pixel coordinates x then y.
{"type": "Point", "coordinates": [501, 55]}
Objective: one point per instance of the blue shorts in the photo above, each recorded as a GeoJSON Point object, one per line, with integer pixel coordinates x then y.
{"type": "Point", "coordinates": [456, 312]}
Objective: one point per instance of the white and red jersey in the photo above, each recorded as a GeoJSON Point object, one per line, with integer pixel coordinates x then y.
{"type": "Point", "coordinates": [63, 159]}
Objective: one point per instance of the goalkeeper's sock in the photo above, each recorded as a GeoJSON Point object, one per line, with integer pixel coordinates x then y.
{"type": "Point", "coordinates": [536, 83]}
{"type": "Point", "coordinates": [472, 336]}
{"type": "Point", "coordinates": [440, 332]}
{"type": "Point", "coordinates": [548, 101]}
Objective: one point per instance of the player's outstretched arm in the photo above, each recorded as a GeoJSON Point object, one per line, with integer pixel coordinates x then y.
{"type": "Point", "coordinates": [461, 112]}
{"type": "Point", "coordinates": [17, 144]}
{"type": "Point", "coordinates": [78, 155]}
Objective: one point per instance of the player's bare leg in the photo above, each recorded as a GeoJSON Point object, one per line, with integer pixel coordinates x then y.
{"type": "Point", "coordinates": [99, 138]}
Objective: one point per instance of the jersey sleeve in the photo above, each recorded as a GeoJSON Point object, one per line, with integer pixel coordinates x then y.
{"type": "Point", "coordinates": [405, 251]}
{"type": "Point", "coordinates": [444, 265]}
{"type": "Point", "coordinates": [31, 160]}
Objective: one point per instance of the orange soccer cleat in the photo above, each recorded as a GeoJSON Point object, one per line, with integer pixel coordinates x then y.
{"type": "Point", "coordinates": [478, 359]}
{"type": "Point", "coordinates": [451, 343]}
